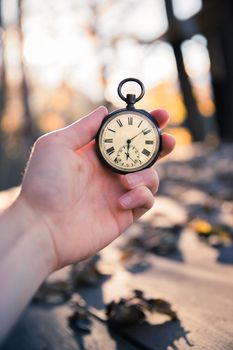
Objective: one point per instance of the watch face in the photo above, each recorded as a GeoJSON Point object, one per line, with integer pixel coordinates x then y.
{"type": "Point", "coordinates": [128, 141]}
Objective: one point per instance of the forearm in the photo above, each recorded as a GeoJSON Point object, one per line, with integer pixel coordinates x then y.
{"type": "Point", "coordinates": [25, 261]}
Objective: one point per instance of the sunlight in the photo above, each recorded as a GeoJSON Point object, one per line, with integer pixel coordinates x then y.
{"type": "Point", "coordinates": [39, 50]}
{"type": "Point", "coordinates": [159, 64]}
{"type": "Point", "coordinates": [197, 62]}
{"type": "Point", "coordinates": [152, 65]}
{"type": "Point", "coordinates": [143, 19]}
{"type": "Point", "coordinates": [49, 48]}
{"type": "Point", "coordinates": [197, 65]}
{"type": "Point", "coordinates": [156, 20]}
{"type": "Point", "coordinates": [68, 42]}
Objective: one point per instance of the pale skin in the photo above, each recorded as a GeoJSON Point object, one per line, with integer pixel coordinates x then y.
{"type": "Point", "coordinates": [69, 208]}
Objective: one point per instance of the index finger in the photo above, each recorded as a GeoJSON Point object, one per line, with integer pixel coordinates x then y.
{"type": "Point", "coordinates": [162, 117]}
{"type": "Point", "coordinates": [168, 141]}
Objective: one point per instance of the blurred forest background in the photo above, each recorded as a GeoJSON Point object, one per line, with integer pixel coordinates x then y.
{"type": "Point", "coordinates": [59, 59]}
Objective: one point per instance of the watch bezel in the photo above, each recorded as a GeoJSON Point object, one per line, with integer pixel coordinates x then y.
{"type": "Point", "coordinates": [117, 112]}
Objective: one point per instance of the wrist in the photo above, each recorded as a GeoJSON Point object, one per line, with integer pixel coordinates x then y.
{"type": "Point", "coordinates": [26, 259]}
{"type": "Point", "coordinates": [33, 231]}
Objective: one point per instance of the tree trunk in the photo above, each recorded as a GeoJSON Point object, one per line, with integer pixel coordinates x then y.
{"type": "Point", "coordinates": [2, 82]}
{"type": "Point", "coordinates": [29, 133]}
{"type": "Point", "coordinates": [221, 56]}
{"type": "Point", "coordinates": [194, 119]}
{"type": "Point", "coordinates": [193, 122]}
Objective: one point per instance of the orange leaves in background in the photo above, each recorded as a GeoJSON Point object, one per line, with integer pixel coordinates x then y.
{"type": "Point", "coordinates": [50, 121]}
{"type": "Point", "coordinates": [166, 95]}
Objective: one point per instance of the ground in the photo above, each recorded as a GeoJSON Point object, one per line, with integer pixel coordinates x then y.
{"type": "Point", "coordinates": [181, 251]}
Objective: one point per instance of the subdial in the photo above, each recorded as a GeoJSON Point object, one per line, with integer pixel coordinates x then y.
{"type": "Point", "coordinates": [128, 156]}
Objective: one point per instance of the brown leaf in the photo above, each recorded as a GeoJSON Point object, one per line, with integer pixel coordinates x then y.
{"type": "Point", "coordinates": [53, 293]}
{"type": "Point", "coordinates": [134, 309]}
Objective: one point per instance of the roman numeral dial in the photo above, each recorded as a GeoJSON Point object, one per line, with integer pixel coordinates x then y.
{"type": "Point", "coordinates": [110, 151]}
{"type": "Point", "coordinates": [128, 141]}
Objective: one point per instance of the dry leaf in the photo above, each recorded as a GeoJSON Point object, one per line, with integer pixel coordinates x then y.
{"type": "Point", "coordinates": [53, 293]}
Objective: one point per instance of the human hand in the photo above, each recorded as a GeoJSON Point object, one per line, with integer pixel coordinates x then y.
{"type": "Point", "coordinates": [83, 205]}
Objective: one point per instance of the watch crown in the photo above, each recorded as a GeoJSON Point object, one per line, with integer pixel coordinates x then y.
{"type": "Point", "coordinates": [130, 100]}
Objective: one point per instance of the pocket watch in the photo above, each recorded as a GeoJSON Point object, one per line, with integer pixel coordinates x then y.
{"type": "Point", "coordinates": [128, 139]}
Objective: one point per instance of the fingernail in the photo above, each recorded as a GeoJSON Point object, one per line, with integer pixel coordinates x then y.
{"type": "Point", "coordinates": [134, 179]}
{"type": "Point", "coordinates": [102, 108]}
{"type": "Point", "coordinates": [172, 137]}
{"type": "Point", "coordinates": [126, 201]}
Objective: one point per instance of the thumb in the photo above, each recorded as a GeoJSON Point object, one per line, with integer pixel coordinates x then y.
{"type": "Point", "coordinates": [82, 131]}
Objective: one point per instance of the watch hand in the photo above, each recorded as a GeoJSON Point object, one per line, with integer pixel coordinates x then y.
{"type": "Point", "coordinates": [128, 145]}
{"type": "Point", "coordinates": [131, 159]}
{"type": "Point", "coordinates": [129, 140]}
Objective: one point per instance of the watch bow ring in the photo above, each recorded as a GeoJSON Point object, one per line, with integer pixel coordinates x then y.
{"type": "Point", "coordinates": [128, 139]}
